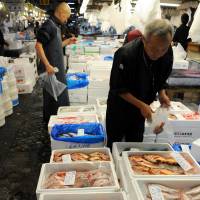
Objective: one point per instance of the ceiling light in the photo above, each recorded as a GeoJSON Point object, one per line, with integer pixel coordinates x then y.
{"type": "Point", "coordinates": [170, 4]}
{"type": "Point", "coordinates": [71, 3]}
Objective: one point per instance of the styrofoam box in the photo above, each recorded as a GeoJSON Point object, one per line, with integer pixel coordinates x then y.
{"type": "Point", "coordinates": [100, 74]}
{"type": "Point", "coordinates": [91, 49]}
{"type": "Point", "coordinates": [140, 185]}
{"type": "Point", "coordinates": [180, 64]}
{"type": "Point", "coordinates": [103, 119]}
{"type": "Point", "coordinates": [176, 107]}
{"type": "Point", "coordinates": [119, 147]}
{"type": "Point", "coordinates": [98, 83]}
{"type": "Point", "coordinates": [49, 168]}
{"type": "Point", "coordinates": [85, 150]}
{"type": "Point", "coordinates": [184, 131]}
{"type": "Point", "coordinates": [26, 87]}
{"type": "Point", "coordinates": [101, 106]}
{"type": "Point", "coordinates": [97, 93]}
{"type": "Point", "coordinates": [78, 95]}
{"type": "Point", "coordinates": [81, 67]}
{"type": "Point", "coordinates": [99, 64]}
{"type": "Point", "coordinates": [61, 119]}
{"type": "Point", "coordinates": [132, 175]}
{"type": "Point", "coordinates": [84, 196]}
{"type": "Point", "coordinates": [77, 109]}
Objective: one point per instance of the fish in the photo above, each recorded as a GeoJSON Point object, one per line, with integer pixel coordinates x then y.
{"type": "Point", "coordinates": [164, 188]}
{"type": "Point", "coordinates": [79, 156]}
{"type": "Point", "coordinates": [195, 190]}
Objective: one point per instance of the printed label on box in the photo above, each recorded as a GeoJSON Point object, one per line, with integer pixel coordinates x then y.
{"type": "Point", "coordinates": [181, 161]}
{"type": "Point", "coordinates": [70, 178]}
{"type": "Point", "coordinates": [66, 158]}
{"type": "Point", "coordinates": [156, 193]}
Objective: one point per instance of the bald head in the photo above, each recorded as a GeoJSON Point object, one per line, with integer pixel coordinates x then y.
{"type": "Point", "coordinates": [63, 12]}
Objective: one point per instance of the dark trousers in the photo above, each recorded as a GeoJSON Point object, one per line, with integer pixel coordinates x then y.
{"type": "Point", "coordinates": [124, 125]}
{"type": "Point", "coordinates": [50, 106]}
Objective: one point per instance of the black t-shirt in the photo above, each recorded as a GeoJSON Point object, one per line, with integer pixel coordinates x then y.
{"type": "Point", "coordinates": [133, 72]}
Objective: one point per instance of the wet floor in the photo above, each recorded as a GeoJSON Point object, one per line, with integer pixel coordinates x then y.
{"type": "Point", "coordinates": [24, 146]}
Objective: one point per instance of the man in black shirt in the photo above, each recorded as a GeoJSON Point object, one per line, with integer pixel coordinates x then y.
{"type": "Point", "coordinates": [49, 47]}
{"type": "Point", "coordinates": [2, 43]}
{"type": "Point", "coordinates": [140, 70]}
{"type": "Point", "coordinates": [182, 32]}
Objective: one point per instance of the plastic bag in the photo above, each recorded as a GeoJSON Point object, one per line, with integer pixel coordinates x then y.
{"type": "Point", "coordinates": [51, 84]}
{"type": "Point", "coordinates": [93, 133]}
{"type": "Point", "coordinates": [158, 118]}
{"type": "Point", "coordinates": [195, 28]}
{"type": "Point", "coordinates": [77, 80]}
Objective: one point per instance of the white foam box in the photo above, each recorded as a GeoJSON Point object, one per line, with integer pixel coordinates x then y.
{"type": "Point", "coordinates": [94, 93]}
{"type": "Point", "coordinates": [91, 49]}
{"type": "Point", "coordinates": [176, 107]}
{"type": "Point", "coordinates": [84, 196]}
{"type": "Point", "coordinates": [26, 88]}
{"type": "Point", "coordinates": [184, 130]}
{"type": "Point", "coordinates": [64, 119]}
{"type": "Point", "coordinates": [77, 109]}
{"type": "Point", "coordinates": [100, 73]}
{"type": "Point", "coordinates": [101, 104]}
{"type": "Point", "coordinates": [85, 150]}
{"type": "Point", "coordinates": [140, 185]}
{"type": "Point", "coordinates": [79, 95]}
{"type": "Point", "coordinates": [78, 66]}
{"type": "Point", "coordinates": [119, 147]}
{"type": "Point", "coordinates": [98, 83]}
{"type": "Point", "coordinates": [130, 173]}
{"type": "Point", "coordinates": [181, 64]}
{"type": "Point", "coordinates": [99, 65]}
{"type": "Point", "coordinates": [48, 169]}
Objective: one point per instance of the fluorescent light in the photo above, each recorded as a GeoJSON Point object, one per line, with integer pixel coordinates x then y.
{"type": "Point", "coordinates": [71, 3]}
{"type": "Point", "coordinates": [72, 8]}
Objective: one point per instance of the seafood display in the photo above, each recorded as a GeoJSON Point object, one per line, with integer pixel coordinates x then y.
{"type": "Point", "coordinates": [154, 164]}
{"type": "Point", "coordinates": [93, 178]}
{"type": "Point", "coordinates": [167, 193]}
{"type": "Point", "coordinates": [78, 156]}
{"type": "Point", "coordinates": [192, 116]}
{"type": "Point", "coordinates": [67, 109]}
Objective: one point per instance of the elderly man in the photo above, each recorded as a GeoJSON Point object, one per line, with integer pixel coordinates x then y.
{"type": "Point", "coordinates": [140, 70]}
{"type": "Point", "coordinates": [49, 47]}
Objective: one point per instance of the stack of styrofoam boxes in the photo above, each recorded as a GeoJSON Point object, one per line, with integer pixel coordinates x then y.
{"type": "Point", "coordinates": [48, 169]}
{"type": "Point", "coordinates": [184, 130]}
{"type": "Point", "coordinates": [132, 176]}
{"type": "Point", "coordinates": [13, 91]}
{"type": "Point", "coordinates": [101, 107]}
{"type": "Point", "coordinates": [32, 59]}
{"type": "Point", "coordinates": [119, 148]}
{"type": "Point", "coordinates": [7, 103]}
{"type": "Point", "coordinates": [72, 118]}
{"type": "Point", "coordinates": [140, 185]}
{"type": "Point", "coordinates": [2, 113]}
{"type": "Point", "coordinates": [78, 95]}
{"type": "Point", "coordinates": [25, 75]}
{"type": "Point", "coordinates": [99, 80]}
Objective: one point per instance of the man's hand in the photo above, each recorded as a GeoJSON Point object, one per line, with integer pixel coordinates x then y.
{"type": "Point", "coordinates": [146, 111]}
{"type": "Point", "coordinates": [50, 69]}
{"type": "Point", "coordinates": [164, 99]}
{"type": "Point", "coordinates": [69, 41]}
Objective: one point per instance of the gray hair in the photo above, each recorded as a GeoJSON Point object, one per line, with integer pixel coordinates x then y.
{"type": "Point", "coordinates": [158, 27]}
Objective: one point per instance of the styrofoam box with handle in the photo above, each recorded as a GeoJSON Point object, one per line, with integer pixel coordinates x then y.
{"type": "Point", "coordinates": [77, 109]}
{"type": "Point", "coordinates": [49, 168]}
{"type": "Point", "coordinates": [85, 150]}
{"type": "Point", "coordinates": [84, 196]}
{"type": "Point", "coordinates": [176, 107]}
{"type": "Point", "coordinates": [132, 175]}
{"type": "Point", "coordinates": [140, 185]}
{"type": "Point", "coordinates": [184, 130]}
{"type": "Point", "coordinates": [63, 119]}
{"type": "Point", "coordinates": [119, 147]}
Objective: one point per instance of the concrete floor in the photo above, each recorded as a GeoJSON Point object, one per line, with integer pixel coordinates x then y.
{"type": "Point", "coordinates": [24, 146]}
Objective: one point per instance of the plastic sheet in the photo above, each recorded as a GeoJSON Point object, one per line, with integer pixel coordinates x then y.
{"type": "Point", "coordinates": [77, 80]}
{"type": "Point", "coordinates": [51, 84]}
{"type": "Point", "coordinates": [93, 133]}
